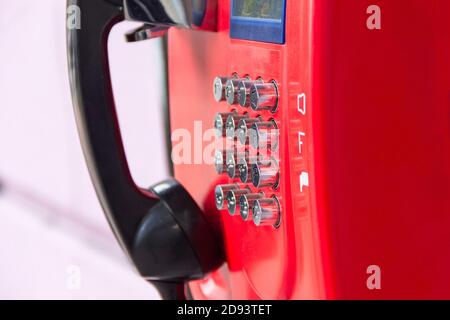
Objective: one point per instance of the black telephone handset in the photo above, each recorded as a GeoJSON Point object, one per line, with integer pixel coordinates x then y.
{"type": "Point", "coordinates": [161, 229]}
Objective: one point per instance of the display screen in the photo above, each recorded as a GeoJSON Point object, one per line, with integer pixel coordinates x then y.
{"type": "Point", "coordinates": [258, 20]}
{"type": "Point", "coordinates": [262, 9]}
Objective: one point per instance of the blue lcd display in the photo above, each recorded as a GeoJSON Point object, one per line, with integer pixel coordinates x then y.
{"type": "Point", "coordinates": [258, 20]}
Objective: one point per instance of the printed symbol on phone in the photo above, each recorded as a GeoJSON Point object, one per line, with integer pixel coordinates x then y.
{"type": "Point", "coordinates": [304, 180]}
{"type": "Point", "coordinates": [301, 103]}
{"type": "Point", "coordinates": [300, 142]}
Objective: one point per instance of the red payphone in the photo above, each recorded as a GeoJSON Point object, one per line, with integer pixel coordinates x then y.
{"type": "Point", "coordinates": [332, 175]}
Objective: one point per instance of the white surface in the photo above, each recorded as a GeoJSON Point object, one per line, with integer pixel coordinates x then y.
{"type": "Point", "coordinates": [41, 158]}
{"type": "Point", "coordinates": [39, 145]}
{"type": "Point", "coordinates": [39, 253]}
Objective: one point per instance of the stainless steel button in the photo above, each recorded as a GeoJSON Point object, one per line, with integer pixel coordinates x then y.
{"type": "Point", "coordinates": [231, 125]}
{"type": "Point", "coordinates": [265, 173]}
{"type": "Point", "coordinates": [267, 212]}
{"type": "Point", "coordinates": [233, 198]}
{"type": "Point", "coordinates": [264, 96]}
{"type": "Point", "coordinates": [244, 89]}
{"type": "Point", "coordinates": [219, 88]}
{"type": "Point", "coordinates": [232, 162]}
{"type": "Point", "coordinates": [243, 129]}
{"type": "Point", "coordinates": [264, 135]}
{"type": "Point", "coordinates": [220, 194]}
{"type": "Point", "coordinates": [244, 168]}
{"type": "Point", "coordinates": [246, 203]}
{"type": "Point", "coordinates": [232, 89]}
{"type": "Point", "coordinates": [220, 123]}
{"type": "Point", "coordinates": [220, 160]}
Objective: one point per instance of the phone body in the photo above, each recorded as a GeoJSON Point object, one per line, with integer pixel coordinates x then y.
{"type": "Point", "coordinates": [364, 154]}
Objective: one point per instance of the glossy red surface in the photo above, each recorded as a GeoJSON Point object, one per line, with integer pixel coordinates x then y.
{"type": "Point", "coordinates": [375, 145]}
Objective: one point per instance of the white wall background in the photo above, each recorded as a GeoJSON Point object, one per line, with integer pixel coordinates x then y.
{"type": "Point", "coordinates": [50, 219]}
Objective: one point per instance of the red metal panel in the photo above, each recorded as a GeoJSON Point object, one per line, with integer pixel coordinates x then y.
{"type": "Point", "coordinates": [385, 122]}
{"type": "Point", "coordinates": [374, 142]}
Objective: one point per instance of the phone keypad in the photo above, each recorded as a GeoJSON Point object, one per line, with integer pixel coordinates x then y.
{"type": "Point", "coordinates": [250, 155]}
